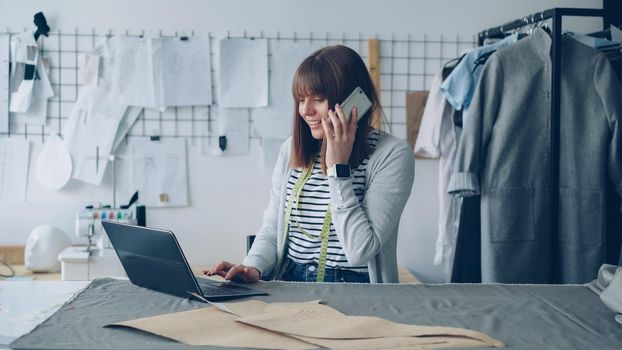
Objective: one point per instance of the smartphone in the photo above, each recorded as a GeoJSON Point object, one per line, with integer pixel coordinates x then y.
{"type": "Point", "coordinates": [356, 99]}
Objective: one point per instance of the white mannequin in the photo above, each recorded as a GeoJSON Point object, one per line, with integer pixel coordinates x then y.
{"type": "Point", "coordinates": [44, 244]}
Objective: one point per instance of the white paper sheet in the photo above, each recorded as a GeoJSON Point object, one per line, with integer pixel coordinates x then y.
{"type": "Point", "coordinates": [106, 49]}
{"type": "Point", "coordinates": [272, 123]}
{"type": "Point", "coordinates": [187, 73]}
{"type": "Point", "coordinates": [286, 57]}
{"type": "Point", "coordinates": [88, 68]}
{"type": "Point", "coordinates": [135, 81]}
{"type": "Point", "coordinates": [159, 171]}
{"type": "Point", "coordinates": [269, 154]}
{"type": "Point", "coordinates": [129, 118]}
{"type": "Point", "coordinates": [41, 92]}
{"type": "Point", "coordinates": [90, 133]}
{"type": "Point", "coordinates": [24, 56]}
{"type": "Point", "coordinates": [234, 125]}
{"type": "Point", "coordinates": [14, 154]}
{"type": "Point", "coordinates": [243, 74]}
{"type": "Point", "coordinates": [53, 167]}
{"type": "Point", "coordinates": [5, 40]}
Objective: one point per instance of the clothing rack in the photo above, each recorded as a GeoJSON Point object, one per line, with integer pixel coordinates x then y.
{"type": "Point", "coordinates": [556, 15]}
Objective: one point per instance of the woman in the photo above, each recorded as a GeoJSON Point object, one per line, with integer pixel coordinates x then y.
{"type": "Point", "coordinates": [338, 188]}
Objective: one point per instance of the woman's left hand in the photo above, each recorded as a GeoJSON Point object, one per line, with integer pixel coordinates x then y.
{"type": "Point", "coordinates": [339, 135]}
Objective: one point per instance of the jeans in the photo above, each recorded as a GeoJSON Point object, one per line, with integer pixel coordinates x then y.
{"type": "Point", "coordinates": [308, 273]}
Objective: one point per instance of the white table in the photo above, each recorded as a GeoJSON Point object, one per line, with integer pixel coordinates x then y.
{"type": "Point", "coordinates": [25, 304]}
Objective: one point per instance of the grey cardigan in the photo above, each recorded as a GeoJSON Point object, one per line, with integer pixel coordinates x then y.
{"type": "Point", "coordinates": [367, 230]}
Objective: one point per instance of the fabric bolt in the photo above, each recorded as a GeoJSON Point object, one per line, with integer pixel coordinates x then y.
{"type": "Point", "coordinates": [367, 230]}
{"type": "Point", "coordinates": [504, 155]}
{"type": "Point", "coordinates": [460, 84]}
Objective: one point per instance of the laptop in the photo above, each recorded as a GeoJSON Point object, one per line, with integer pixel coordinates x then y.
{"type": "Point", "coordinates": [153, 259]}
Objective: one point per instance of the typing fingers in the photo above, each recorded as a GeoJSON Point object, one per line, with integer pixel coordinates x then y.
{"type": "Point", "coordinates": [220, 269]}
{"type": "Point", "coordinates": [234, 271]}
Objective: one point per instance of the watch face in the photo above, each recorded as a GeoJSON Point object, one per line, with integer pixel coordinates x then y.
{"type": "Point", "coordinates": [342, 170]}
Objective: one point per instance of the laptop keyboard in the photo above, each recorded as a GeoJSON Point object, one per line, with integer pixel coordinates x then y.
{"type": "Point", "coordinates": [221, 288]}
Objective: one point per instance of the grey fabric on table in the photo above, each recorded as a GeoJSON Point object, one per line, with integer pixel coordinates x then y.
{"type": "Point", "coordinates": [521, 316]}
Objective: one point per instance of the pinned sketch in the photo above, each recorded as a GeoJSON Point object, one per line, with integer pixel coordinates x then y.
{"type": "Point", "coordinates": [243, 72]}
{"type": "Point", "coordinates": [5, 59]}
{"type": "Point", "coordinates": [286, 57]}
{"type": "Point", "coordinates": [53, 167]}
{"type": "Point", "coordinates": [272, 122]}
{"type": "Point", "coordinates": [187, 74]}
{"type": "Point", "coordinates": [90, 133]}
{"type": "Point", "coordinates": [159, 171]}
{"type": "Point", "coordinates": [229, 131]}
{"type": "Point", "coordinates": [41, 92]}
{"type": "Point", "coordinates": [88, 68]}
{"type": "Point", "coordinates": [24, 57]}
{"type": "Point", "coordinates": [14, 154]}
{"type": "Point", "coordinates": [269, 153]}
{"type": "Point", "coordinates": [137, 78]}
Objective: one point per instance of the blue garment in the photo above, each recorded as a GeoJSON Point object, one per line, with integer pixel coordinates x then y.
{"type": "Point", "coordinates": [308, 273]}
{"type": "Point", "coordinates": [460, 84]}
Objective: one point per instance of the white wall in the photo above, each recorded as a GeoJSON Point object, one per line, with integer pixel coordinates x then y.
{"type": "Point", "coordinates": [227, 195]}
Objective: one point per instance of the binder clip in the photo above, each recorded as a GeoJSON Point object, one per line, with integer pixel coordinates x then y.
{"type": "Point", "coordinates": [42, 25]}
{"type": "Point", "coordinates": [222, 142]}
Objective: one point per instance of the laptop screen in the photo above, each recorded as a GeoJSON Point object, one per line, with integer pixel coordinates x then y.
{"type": "Point", "coordinates": [152, 258]}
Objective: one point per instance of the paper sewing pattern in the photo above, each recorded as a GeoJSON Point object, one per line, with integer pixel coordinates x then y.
{"type": "Point", "coordinates": [24, 56]}
{"type": "Point", "coordinates": [90, 132]}
{"type": "Point", "coordinates": [300, 326]}
{"type": "Point", "coordinates": [160, 171]}
{"type": "Point", "coordinates": [14, 156]}
{"type": "Point", "coordinates": [54, 166]}
{"type": "Point", "coordinates": [286, 57]}
{"type": "Point", "coordinates": [129, 118]}
{"type": "Point", "coordinates": [41, 92]}
{"type": "Point", "coordinates": [5, 42]}
{"type": "Point", "coordinates": [137, 78]}
{"type": "Point", "coordinates": [88, 68]}
{"type": "Point", "coordinates": [275, 123]}
{"type": "Point", "coordinates": [243, 74]}
{"type": "Point", "coordinates": [187, 71]}
{"type": "Point", "coordinates": [231, 123]}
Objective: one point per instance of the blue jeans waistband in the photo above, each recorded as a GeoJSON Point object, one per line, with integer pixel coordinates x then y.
{"type": "Point", "coordinates": [308, 273]}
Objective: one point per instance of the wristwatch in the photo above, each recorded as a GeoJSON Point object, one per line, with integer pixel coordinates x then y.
{"type": "Point", "coordinates": [339, 170]}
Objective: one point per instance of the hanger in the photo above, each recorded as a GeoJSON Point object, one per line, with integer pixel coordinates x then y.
{"type": "Point", "coordinates": [544, 24]}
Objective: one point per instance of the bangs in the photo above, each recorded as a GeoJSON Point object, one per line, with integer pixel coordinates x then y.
{"type": "Point", "coordinates": [307, 81]}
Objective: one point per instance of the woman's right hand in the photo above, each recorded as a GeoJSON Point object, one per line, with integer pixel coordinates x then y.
{"type": "Point", "coordinates": [230, 271]}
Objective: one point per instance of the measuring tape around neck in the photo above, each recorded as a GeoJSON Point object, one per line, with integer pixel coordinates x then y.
{"type": "Point", "coordinates": [324, 234]}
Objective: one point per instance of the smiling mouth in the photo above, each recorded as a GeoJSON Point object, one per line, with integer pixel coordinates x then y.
{"type": "Point", "coordinates": [314, 122]}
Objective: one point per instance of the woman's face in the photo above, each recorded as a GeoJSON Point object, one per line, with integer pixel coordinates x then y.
{"type": "Point", "coordinates": [313, 109]}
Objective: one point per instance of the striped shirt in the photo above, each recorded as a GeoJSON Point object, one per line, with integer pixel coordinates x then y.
{"type": "Point", "coordinates": [313, 203]}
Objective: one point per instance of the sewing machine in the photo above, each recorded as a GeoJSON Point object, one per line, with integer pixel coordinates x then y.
{"type": "Point", "coordinates": [86, 263]}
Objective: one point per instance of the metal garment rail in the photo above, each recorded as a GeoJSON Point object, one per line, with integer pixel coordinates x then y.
{"type": "Point", "coordinates": [556, 14]}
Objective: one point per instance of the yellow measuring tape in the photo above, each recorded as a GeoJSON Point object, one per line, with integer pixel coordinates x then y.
{"type": "Point", "coordinates": [295, 195]}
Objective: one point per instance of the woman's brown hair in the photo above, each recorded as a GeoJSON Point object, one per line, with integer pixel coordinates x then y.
{"type": "Point", "coordinates": [331, 72]}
